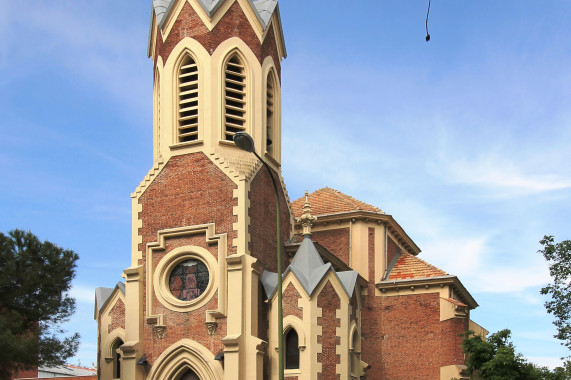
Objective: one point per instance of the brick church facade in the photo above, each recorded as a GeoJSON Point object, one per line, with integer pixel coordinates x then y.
{"type": "Point", "coordinates": [199, 299]}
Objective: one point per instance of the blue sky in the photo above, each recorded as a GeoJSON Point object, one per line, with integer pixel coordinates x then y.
{"type": "Point", "coordinates": [464, 140]}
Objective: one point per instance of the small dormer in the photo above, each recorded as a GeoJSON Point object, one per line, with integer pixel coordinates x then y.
{"type": "Point", "coordinates": [321, 314]}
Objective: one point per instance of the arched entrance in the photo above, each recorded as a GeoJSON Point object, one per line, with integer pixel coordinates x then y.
{"type": "Point", "coordinates": [189, 375]}
{"type": "Point", "coordinates": [186, 360]}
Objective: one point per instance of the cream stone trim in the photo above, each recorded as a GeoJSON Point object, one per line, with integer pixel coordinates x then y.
{"type": "Point", "coordinates": [243, 350]}
{"type": "Point", "coordinates": [306, 330]}
{"type": "Point", "coordinates": [157, 111]}
{"type": "Point", "coordinates": [444, 286]}
{"type": "Point", "coordinates": [252, 69]}
{"type": "Point", "coordinates": [156, 277]}
{"type": "Point", "coordinates": [110, 342]}
{"type": "Point", "coordinates": [166, 266]}
{"type": "Point", "coordinates": [293, 322]}
{"type": "Point", "coordinates": [275, 25]}
{"type": "Point", "coordinates": [453, 371]}
{"type": "Point", "coordinates": [477, 329]}
{"type": "Point", "coordinates": [274, 157]}
{"type": "Point", "coordinates": [211, 22]}
{"type": "Point", "coordinates": [153, 36]}
{"type": "Point", "coordinates": [367, 217]}
{"type": "Point", "coordinates": [107, 339]}
{"type": "Point", "coordinates": [183, 51]}
{"type": "Point", "coordinates": [169, 102]}
{"type": "Point", "coordinates": [186, 354]}
{"type": "Point", "coordinates": [250, 92]}
{"type": "Point", "coordinates": [449, 310]}
{"type": "Point", "coordinates": [342, 331]}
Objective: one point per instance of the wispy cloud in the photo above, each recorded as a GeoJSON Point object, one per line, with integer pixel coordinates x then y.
{"type": "Point", "coordinates": [494, 172]}
{"type": "Point", "coordinates": [83, 294]}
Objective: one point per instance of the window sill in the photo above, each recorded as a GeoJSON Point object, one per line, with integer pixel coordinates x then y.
{"type": "Point", "coordinates": [185, 144]}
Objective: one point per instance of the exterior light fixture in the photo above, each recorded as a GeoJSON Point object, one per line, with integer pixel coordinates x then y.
{"type": "Point", "coordinates": [245, 142]}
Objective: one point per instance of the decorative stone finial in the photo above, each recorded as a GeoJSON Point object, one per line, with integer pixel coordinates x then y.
{"type": "Point", "coordinates": [306, 218]}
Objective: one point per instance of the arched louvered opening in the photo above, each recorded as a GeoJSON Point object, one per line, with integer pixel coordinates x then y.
{"type": "Point", "coordinates": [234, 97]}
{"type": "Point", "coordinates": [188, 100]}
{"type": "Point", "coordinates": [270, 112]}
{"type": "Point", "coordinates": [291, 349]}
{"type": "Point", "coordinates": [116, 358]}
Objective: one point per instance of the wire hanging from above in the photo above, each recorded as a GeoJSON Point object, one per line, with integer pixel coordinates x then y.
{"type": "Point", "coordinates": [427, 12]}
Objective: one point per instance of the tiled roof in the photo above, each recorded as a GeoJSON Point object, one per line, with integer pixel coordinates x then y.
{"type": "Point", "coordinates": [329, 201]}
{"type": "Point", "coordinates": [409, 267]}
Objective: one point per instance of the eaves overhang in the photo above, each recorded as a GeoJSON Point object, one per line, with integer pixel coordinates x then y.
{"type": "Point", "coordinates": [428, 282]}
{"type": "Point", "coordinates": [368, 216]}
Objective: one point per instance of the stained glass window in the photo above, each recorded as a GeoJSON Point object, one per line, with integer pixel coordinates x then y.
{"type": "Point", "coordinates": [189, 280]}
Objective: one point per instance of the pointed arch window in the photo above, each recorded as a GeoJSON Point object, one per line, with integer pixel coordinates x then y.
{"type": "Point", "coordinates": [187, 101]}
{"type": "Point", "coordinates": [116, 358]}
{"type": "Point", "coordinates": [355, 354]}
{"type": "Point", "coordinates": [270, 112]}
{"type": "Point", "coordinates": [291, 349]}
{"type": "Point", "coordinates": [234, 97]}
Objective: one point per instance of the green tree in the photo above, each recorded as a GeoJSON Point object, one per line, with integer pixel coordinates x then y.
{"type": "Point", "coordinates": [495, 358]}
{"type": "Point", "coordinates": [35, 278]}
{"type": "Point", "coordinates": [558, 256]}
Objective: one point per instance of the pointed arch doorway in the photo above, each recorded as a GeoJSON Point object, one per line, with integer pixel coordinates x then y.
{"type": "Point", "coordinates": [189, 375]}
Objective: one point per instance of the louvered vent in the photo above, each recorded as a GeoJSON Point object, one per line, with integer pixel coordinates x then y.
{"type": "Point", "coordinates": [188, 101]}
{"type": "Point", "coordinates": [235, 98]}
{"type": "Point", "coordinates": [270, 113]}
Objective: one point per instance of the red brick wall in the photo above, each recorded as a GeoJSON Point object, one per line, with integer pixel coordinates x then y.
{"type": "Point", "coordinates": [329, 302]}
{"type": "Point", "coordinates": [233, 24]}
{"type": "Point", "coordinates": [190, 190]}
{"type": "Point", "coordinates": [117, 316]}
{"type": "Point", "coordinates": [336, 241]}
{"type": "Point", "coordinates": [26, 374]}
{"type": "Point", "coordinates": [290, 298]}
{"type": "Point", "coordinates": [403, 338]}
{"type": "Point", "coordinates": [412, 328]}
{"type": "Point", "coordinates": [183, 325]}
{"type": "Point", "coordinates": [451, 341]}
{"type": "Point", "coordinates": [263, 221]}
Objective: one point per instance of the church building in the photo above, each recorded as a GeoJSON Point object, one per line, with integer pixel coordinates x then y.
{"type": "Point", "coordinates": [199, 297]}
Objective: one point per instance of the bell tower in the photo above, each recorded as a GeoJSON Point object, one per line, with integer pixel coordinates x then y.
{"type": "Point", "coordinates": [216, 72]}
{"type": "Point", "coordinates": [204, 217]}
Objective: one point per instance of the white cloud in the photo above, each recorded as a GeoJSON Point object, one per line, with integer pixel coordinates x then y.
{"type": "Point", "coordinates": [492, 171]}
{"type": "Point", "coordinates": [545, 361]}
{"type": "Point", "coordinates": [83, 294]}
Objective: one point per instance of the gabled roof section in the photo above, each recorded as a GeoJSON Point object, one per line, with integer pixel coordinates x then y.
{"type": "Point", "coordinates": [408, 266]}
{"type": "Point", "coordinates": [102, 295]}
{"type": "Point", "coordinates": [327, 201]}
{"type": "Point", "coordinates": [308, 267]}
{"type": "Point", "coordinates": [264, 9]}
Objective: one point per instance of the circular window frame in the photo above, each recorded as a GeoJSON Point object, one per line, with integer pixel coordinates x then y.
{"type": "Point", "coordinates": [169, 262]}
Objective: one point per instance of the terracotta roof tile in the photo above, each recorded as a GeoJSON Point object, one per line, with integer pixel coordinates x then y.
{"type": "Point", "coordinates": [409, 267]}
{"type": "Point", "coordinates": [329, 201]}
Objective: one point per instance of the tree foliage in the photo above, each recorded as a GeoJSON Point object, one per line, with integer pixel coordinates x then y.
{"type": "Point", "coordinates": [558, 256]}
{"type": "Point", "coordinates": [495, 358]}
{"type": "Point", "coordinates": [35, 278]}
